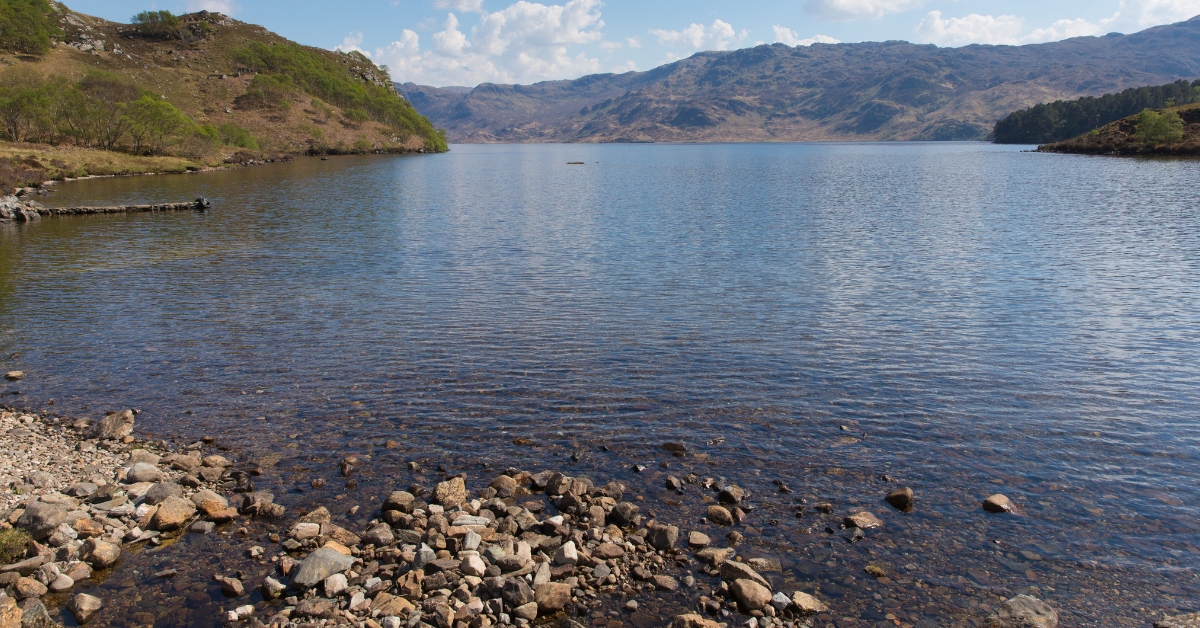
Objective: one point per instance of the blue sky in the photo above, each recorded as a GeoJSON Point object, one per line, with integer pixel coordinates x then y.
{"type": "Point", "coordinates": [466, 42]}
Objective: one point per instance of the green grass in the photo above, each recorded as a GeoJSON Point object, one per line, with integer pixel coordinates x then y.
{"type": "Point", "coordinates": [12, 545]}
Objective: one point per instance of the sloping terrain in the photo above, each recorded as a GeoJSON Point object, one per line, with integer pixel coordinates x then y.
{"type": "Point", "coordinates": [866, 91]}
{"type": "Point", "coordinates": [200, 67]}
{"type": "Point", "coordinates": [1123, 137]}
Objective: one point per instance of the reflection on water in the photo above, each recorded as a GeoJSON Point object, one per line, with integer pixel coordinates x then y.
{"type": "Point", "coordinates": [980, 320]}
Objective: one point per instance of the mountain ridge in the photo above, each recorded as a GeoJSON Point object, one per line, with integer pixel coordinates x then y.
{"type": "Point", "coordinates": [866, 91]}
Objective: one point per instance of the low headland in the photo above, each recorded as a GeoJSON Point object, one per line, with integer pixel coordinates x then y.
{"type": "Point", "coordinates": [1173, 131]}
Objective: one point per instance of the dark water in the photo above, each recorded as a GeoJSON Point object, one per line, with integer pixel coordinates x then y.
{"type": "Point", "coordinates": [981, 320]}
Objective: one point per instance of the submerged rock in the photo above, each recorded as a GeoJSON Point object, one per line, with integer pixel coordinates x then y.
{"type": "Point", "coordinates": [1024, 611]}
{"type": "Point", "coordinates": [998, 503]}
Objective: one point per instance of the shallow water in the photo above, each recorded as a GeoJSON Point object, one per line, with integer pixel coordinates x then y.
{"type": "Point", "coordinates": [979, 319]}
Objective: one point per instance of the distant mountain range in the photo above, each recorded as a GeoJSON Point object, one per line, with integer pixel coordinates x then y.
{"type": "Point", "coordinates": [867, 91]}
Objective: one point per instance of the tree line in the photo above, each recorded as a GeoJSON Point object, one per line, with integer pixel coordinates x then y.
{"type": "Point", "coordinates": [103, 111]}
{"type": "Point", "coordinates": [1065, 119]}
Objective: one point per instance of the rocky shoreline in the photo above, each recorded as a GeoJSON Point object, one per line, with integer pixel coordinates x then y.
{"type": "Point", "coordinates": [521, 549]}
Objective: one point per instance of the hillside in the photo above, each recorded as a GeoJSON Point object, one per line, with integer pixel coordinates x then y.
{"type": "Point", "coordinates": [240, 85]}
{"type": "Point", "coordinates": [1170, 131]}
{"type": "Point", "coordinates": [1063, 119]}
{"type": "Point", "coordinates": [866, 91]}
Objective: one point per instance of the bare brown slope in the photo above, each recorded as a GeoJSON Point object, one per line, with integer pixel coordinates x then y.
{"type": "Point", "coordinates": [867, 91]}
{"type": "Point", "coordinates": [202, 78]}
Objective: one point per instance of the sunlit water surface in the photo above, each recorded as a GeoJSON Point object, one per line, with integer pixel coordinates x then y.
{"type": "Point", "coordinates": [963, 318]}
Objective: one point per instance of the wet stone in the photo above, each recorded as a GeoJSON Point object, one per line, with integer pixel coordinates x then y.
{"type": "Point", "coordinates": [863, 521]}
{"type": "Point", "coordinates": [998, 504]}
{"type": "Point", "coordinates": [901, 498]}
{"type": "Point", "coordinates": [698, 540]}
{"type": "Point", "coordinates": [720, 516]}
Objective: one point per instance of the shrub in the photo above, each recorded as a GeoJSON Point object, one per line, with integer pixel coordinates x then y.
{"type": "Point", "coordinates": [234, 135]}
{"type": "Point", "coordinates": [27, 26]}
{"type": "Point", "coordinates": [1155, 128]}
{"type": "Point", "coordinates": [12, 545]}
{"type": "Point", "coordinates": [267, 92]}
{"type": "Point", "coordinates": [159, 24]}
{"type": "Point", "coordinates": [153, 123]}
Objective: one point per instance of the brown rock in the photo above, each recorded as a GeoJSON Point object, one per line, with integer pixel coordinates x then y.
{"type": "Point", "coordinates": [315, 607]}
{"type": "Point", "coordinates": [388, 604]}
{"type": "Point", "coordinates": [84, 606]}
{"type": "Point", "coordinates": [88, 528]}
{"type": "Point", "coordinates": [731, 571]}
{"type": "Point", "coordinates": [662, 537]}
{"type": "Point", "coordinates": [698, 540]}
{"type": "Point", "coordinates": [863, 521]}
{"type": "Point", "coordinates": [79, 572]}
{"type": "Point", "coordinates": [504, 485]}
{"type": "Point", "coordinates": [14, 376]}
{"type": "Point", "coordinates": [114, 425]}
{"type": "Point", "coordinates": [901, 498]}
{"type": "Point", "coordinates": [28, 587]}
{"type": "Point", "coordinates": [665, 583]}
{"type": "Point", "coordinates": [693, 620]}
{"type": "Point", "coordinates": [998, 503]}
{"type": "Point", "coordinates": [173, 513]}
{"type": "Point", "coordinates": [608, 551]}
{"type": "Point", "coordinates": [751, 596]}
{"type": "Point", "coordinates": [212, 510]}
{"type": "Point", "coordinates": [10, 613]}
{"type": "Point", "coordinates": [100, 554]}
{"type": "Point", "coordinates": [808, 604]}
{"type": "Point", "coordinates": [720, 515]}
{"type": "Point", "coordinates": [552, 597]}
{"type": "Point", "coordinates": [1024, 611]}
{"type": "Point", "coordinates": [452, 492]}
{"type": "Point", "coordinates": [716, 555]}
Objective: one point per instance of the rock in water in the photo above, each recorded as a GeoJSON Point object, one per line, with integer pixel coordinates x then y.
{"type": "Point", "coordinates": [1024, 611]}
{"type": "Point", "coordinates": [173, 513]}
{"type": "Point", "coordinates": [808, 604]}
{"type": "Point", "coordinates": [1190, 620]}
{"type": "Point", "coordinates": [319, 565]}
{"type": "Point", "coordinates": [84, 606]}
{"type": "Point", "coordinates": [751, 596]}
{"type": "Point", "coordinates": [450, 493]}
{"type": "Point", "coordinates": [14, 376]}
{"type": "Point", "coordinates": [100, 554]}
{"type": "Point", "coordinates": [663, 537]}
{"type": "Point", "coordinates": [863, 521]}
{"type": "Point", "coordinates": [998, 503]}
{"type": "Point", "coordinates": [114, 425]}
{"type": "Point", "coordinates": [901, 498]}
{"type": "Point", "coordinates": [693, 620]}
{"type": "Point", "coordinates": [720, 516]}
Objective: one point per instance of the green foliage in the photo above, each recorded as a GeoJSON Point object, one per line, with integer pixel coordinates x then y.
{"type": "Point", "coordinates": [27, 26]}
{"type": "Point", "coordinates": [103, 110]}
{"type": "Point", "coordinates": [333, 82]}
{"type": "Point", "coordinates": [268, 91]}
{"type": "Point", "coordinates": [1061, 120]}
{"type": "Point", "coordinates": [356, 116]}
{"type": "Point", "coordinates": [153, 122]}
{"type": "Point", "coordinates": [159, 24]}
{"type": "Point", "coordinates": [362, 145]}
{"type": "Point", "coordinates": [1155, 128]}
{"type": "Point", "coordinates": [234, 135]}
{"type": "Point", "coordinates": [12, 545]}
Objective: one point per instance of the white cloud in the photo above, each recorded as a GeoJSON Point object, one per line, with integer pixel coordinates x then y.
{"type": "Point", "coordinates": [1003, 30]}
{"type": "Point", "coordinates": [523, 43]}
{"type": "Point", "coordinates": [719, 36]}
{"type": "Point", "coordinates": [227, 7]}
{"type": "Point", "coordinates": [788, 37]}
{"type": "Point", "coordinates": [611, 45]}
{"type": "Point", "coordinates": [633, 42]}
{"type": "Point", "coordinates": [462, 6]}
{"type": "Point", "coordinates": [1154, 12]}
{"type": "Point", "coordinates": [628, 66]}
{"type": "Point", "coordinates": [848, 10]}
{"type": "Point", "coordinates": [351, 43]}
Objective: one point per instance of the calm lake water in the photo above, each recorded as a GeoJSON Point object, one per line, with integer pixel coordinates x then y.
{"type": "Point", "coordinates": [964, 318]}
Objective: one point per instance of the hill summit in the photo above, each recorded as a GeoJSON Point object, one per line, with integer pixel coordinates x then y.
{"type": "Point", "coordinates": [215, 80]}
{"type": "Point", "coordinates": [865, 91]}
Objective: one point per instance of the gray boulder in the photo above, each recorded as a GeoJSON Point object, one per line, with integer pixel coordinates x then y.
{"type": "Point", "coordinates": [319, 565]}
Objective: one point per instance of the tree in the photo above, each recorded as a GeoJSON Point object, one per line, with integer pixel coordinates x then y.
{"type": "Point", "coordinates": [160, 24]}
{"type": "Point", "coordinates": [109, 96]}
{"type": "Point", "coordinates": [1155, 128]}
{"type": "Point", "coordinates": [153, 122]}
{"type": "Point", "coordinates": [27, 26]}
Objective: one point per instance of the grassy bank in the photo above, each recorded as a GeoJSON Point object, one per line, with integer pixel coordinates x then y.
{"type": "Point", "coordinates": [27, 165]}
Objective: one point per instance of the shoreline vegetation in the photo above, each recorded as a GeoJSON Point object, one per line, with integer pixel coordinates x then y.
{"type": "Point", "coordinates": [1169, 132]}
{"type": "Point", "coordinates": [174, 93]}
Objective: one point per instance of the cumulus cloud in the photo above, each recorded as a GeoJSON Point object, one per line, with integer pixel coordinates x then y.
{"type": "Point", "coordinates": [462, 6]}
{"type": "Point", "coordinates": [1002, 30]}
{"type": "Point", "coordinates": [351, 43]}
{"type": "Point", "coordinates": [1154, 12]}
{"type": "Point", "coordinates": [848, 10]}
{"type": "Point", "coordinates": [525, 42]}
{"type": "Point", "coordinates": [719, 36]}
{"type": "Point", "coordinates": [788, 37]}
{"type": "Point", "coordinates": [228, 7]}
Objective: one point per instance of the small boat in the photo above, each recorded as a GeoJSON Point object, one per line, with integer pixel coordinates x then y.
{"type": "Point", "coordinates": [574, 163]}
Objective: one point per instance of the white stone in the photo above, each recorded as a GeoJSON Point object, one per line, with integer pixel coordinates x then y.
{"type": "Point", "coordinates": [243, 612]}
{"type": "Point", "coordinates": [305, 531]}
{"type": "Point", "coordinates": [567, 554]}
{"type": "Point", "coordinates": [472, 540]}
{"type": "Point", "coordinates": [335, 584]}
{"type": "Point", "coordinates": [472, 565]}
{"type": "Point", "coordinates": [391, 621]}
